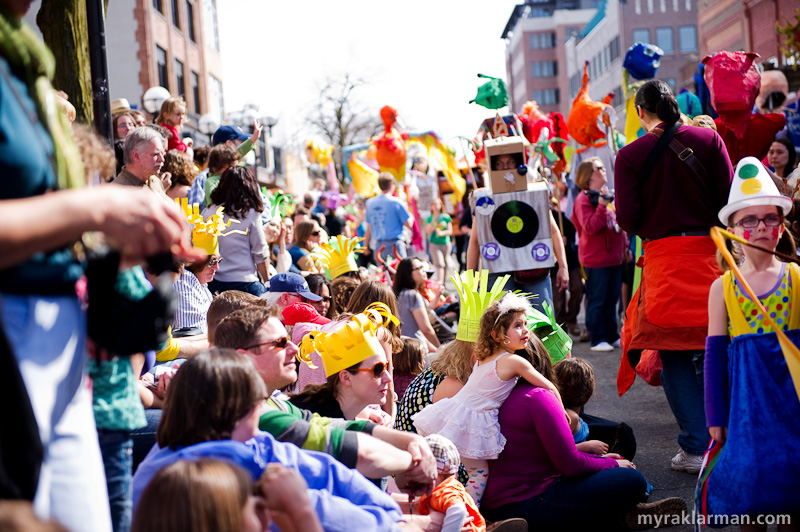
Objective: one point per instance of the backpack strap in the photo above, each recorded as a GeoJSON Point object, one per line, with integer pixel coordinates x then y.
{"type": "Point", "coordinates": [664, 138]}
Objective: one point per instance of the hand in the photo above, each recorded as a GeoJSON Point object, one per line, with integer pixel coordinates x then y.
{"type": "Point", "coordinates": [593, 447]}
{"type": "Point", "coordinates": [615, 456]}
{"type": "Point", "coordinates": [423, 464]}
{"type": "Point", "coordinates": [628, 256]}
{"type": "Point", "coordinates": [256, 131]}
{"type": "Point", "coordinates": [166, 180]}
{"type": "Point", "coordinates": [189, 141]}
{"type": "Point", "coordinates": [286, 498]}
{"type": "Point", "coordinates": [720, 434]}
{"type": "Point", "coordinates": [562, 279]}
{"type": "Point", "coordinates": [282, 239]}
{"type": "Point", "coordinates": [603, 191]}
{"type": "Point", "coordinates": [625, 463]}
{"type": "Point", "coordinates": [163, 383]}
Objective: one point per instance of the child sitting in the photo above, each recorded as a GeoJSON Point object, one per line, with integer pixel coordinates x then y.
{"type": "Point", "coordinates": [408, 363]}
{"type": "Point", "coordinates": [576, 381]}
{"type": "Point", "coordinates": [449, 495]}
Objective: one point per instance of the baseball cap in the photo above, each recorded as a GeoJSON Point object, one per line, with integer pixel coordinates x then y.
{"type": "Point", "coordinates": [445, 453]}
{"type": "Point", "coordinates": [226, 133]}
{"type": "Point", "coordinates": [303, 313]}
{"type": "Point", "coordinates": [291, 282]}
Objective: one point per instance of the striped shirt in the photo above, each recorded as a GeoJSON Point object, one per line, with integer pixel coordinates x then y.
{"type": "Point", "coordinates": [193, 302]}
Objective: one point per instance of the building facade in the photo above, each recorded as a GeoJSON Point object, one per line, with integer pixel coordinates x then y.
{"type": "Point", "coordinates": [535, 53]}
{"type": "Point", "coordinates": [672, 26]}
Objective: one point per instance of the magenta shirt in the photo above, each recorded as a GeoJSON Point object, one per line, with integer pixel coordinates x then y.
{"type": "Point", "coordinates": [539, 449]}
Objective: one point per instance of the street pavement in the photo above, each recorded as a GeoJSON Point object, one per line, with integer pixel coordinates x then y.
{"type": "Point", "coordinates": [646, 410]}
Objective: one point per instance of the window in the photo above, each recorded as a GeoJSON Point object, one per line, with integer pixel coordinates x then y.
{"type": "Point", "coordinates": [613, 50]}
{"type": "Point", "coordinates": [546, 96]}
{"type": "Point", "coordinates": [617, 100]}
{"type": "Point", "coordinates": [161, 66]}
{"type": "Point", "coordinates": [190, 20]}
{"type": "Point", "coordinates": [180, 77]}
{"type": "Point", "coordinates": [542, 40]}
{"type": "Point", "coordinates": [196, 92]}
{"type": "Point", "coordinates": [176, 15]}
{"type": "Point", "coordinates": [215, 106]}
{"type": "Point", "coordinates": [574, 85]}
{"type": "Point", "coordinates": [158, 5]}
{"type": "Point", "coordinates": [688, 38]}
{"type": "Point", "coordinates": [210, 24]}
{"type": "Point", "coordinates": [544, 69]}
{"type": "Point", "coordinates": [664, 39]}
{"type": "Point", "coordinates": [641, 36]}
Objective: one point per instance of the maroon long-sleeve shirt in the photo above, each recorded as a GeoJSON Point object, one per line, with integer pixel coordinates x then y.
{"type": "Point", "coordinates": [672, 199]}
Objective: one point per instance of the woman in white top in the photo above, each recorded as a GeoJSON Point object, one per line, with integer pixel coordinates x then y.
{"type": "Point", "coordinates": [194, 297]}
{"type": "Point", "coordinates": [244, 246]}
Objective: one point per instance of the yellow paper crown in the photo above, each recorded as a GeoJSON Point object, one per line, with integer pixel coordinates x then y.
{"type": "Point", "coordinates": [338, 255]}
{"type": "Point", "coordinates": [475, 299]}
{"type": "Point", "coordinates": [350, 344]}
{"type": "Point", "coordinates": [206, 233]}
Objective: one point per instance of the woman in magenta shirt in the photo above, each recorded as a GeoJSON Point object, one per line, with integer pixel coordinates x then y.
{"type": "Point", "coordinates": [541, 477]}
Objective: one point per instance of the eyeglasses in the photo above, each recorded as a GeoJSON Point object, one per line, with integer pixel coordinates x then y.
{"type": "Point", "coordinates": [420, 267]}
{"type": "Point", "coordinates": [325, 298]}
{"type": "Point", "coordinates": [295, 294]}
{"type": "Point", "coordinates": [280, 343]}
{"type": "Point", "coordinates": [599, 169]}
{"type": "Point", "coordinates": [315, 233]}
{"type": "Point", "coordinates": [751, 222]}
{"type": "Point", "coordinates": [214, 262]}
{"type": "Point", "coordinates": [377, 370]}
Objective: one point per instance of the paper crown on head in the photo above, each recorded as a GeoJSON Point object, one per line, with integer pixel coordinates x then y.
{"type": "Point", "coordinates": [544, 326]}
{"type": "Point", "coordinates": [350, 344]}
{"type": "Point", "coordinates": [277, 206]}
{"type": "Point", "coordinates": [751, 186]}
{"type": "Point", "coordinates": [338, 255]}
{"type": "Point", "coordinates": [475, 299]}
{"type": "Point", "coordinates": [206, 233]}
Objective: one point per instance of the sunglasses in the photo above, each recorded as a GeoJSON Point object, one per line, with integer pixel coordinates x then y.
{"type": "Point", "coordinates": [377, 370]}
{"type": "Point", "coordinates": [280, 343]}
{"type": "Point", "coordinates": [315, 233]}
{"type": "Point", "coordinates": [214, 262]}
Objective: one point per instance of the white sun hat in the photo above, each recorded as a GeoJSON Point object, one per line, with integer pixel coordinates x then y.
{"type": "Point", "coordinates": [752, 185]}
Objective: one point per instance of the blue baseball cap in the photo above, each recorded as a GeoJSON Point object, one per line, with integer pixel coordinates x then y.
{"type": "Point", "coordinates": [291, 282]}
{"type": "Point", "coordinates": [226, 133]}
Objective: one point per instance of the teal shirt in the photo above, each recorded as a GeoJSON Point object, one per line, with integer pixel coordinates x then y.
{"type": "Point", "coordinates": [443, 219]}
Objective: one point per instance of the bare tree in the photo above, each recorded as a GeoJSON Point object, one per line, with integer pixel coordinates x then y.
{"type": "Point", "coordinates": [340, 118]}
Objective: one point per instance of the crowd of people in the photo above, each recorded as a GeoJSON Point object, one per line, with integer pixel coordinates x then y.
{"type": "Point", "coordinates": [259, 361]}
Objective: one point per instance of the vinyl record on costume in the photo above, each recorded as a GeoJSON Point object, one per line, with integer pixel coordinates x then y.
{"type": "Point", "coordinates": [515, 224]}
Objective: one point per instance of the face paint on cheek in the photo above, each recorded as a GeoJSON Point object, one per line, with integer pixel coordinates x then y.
{"type": "Point", "coordinates": [746, 235]}
{"type": "Point", "coordinates": [775, 232]}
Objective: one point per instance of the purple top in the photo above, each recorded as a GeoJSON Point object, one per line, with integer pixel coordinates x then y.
{"type": "Point", "coordinates": [672, 200]}
{"type": "Point", "coordinates": [539, 449]}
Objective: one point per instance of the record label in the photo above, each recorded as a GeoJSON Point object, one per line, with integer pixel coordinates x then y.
{"type": "Point", "coordinates": [514, 224]}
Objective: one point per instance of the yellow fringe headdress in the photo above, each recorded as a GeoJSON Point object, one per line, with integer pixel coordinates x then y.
{"type": "Point", "coordinates": [206, 233]}
{"type": "Point", "coordinates": [352, 343]}
{"type": "Point", "coordinates": [475, 299]}
{"type": "Point", "coordinates": [338, 255]}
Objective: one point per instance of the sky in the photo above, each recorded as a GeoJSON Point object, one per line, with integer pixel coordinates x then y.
{"type": "Point", "coordinates": [421, 57]}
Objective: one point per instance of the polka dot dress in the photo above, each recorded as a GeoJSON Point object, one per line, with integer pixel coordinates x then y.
{"type": "Point", "coordinates": [776, 303]}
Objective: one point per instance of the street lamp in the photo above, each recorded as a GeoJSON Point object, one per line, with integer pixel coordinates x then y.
{"type": "Point", "coordinates": [269, 121]}
{"type": "Point", "coordinates": [207, 125]}
{"type": "Point", "coordinates": [153, 98]}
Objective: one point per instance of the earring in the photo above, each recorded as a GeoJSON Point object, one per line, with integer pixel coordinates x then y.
{"type": "Point", "coordinates": [506, 341]}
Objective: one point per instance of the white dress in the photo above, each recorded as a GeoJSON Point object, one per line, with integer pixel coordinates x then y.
{"type": "Point", "coordinates": [469, 418]}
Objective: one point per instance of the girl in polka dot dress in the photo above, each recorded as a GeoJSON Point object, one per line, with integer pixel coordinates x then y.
{"type": "Point", "coordinates": [752, 405]}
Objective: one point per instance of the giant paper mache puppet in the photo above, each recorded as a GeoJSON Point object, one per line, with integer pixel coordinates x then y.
{"type": "Point", "coordinates": [591, 124]}
{"type": "Point", "coordinates": [734, 83]}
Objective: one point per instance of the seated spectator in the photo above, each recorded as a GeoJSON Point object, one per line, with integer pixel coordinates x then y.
{"type": "Point", "coordinates": [286, 289]}
{"type": "Point", "coordinates": [411, 306]}
{"type": "Point", "coordinates": [191, 496]}
{"type": "Point", "coordinates": [342, 289]}
{"type": "Point", "coordinates": [201, 158]}
{"type": "Point", "coordinates": [318, 283]}
{"type": "Point", "coordinates": [194, 297]}
{"type": "Point", "coordinates": [307, 236]}
{"type": "Point", "coordinates": [408, 363]}
{"type": "Point", "coordinates": [143, 156]}
{"type": "Point", "coordinates": [212, 411]}
{"type": "Point", "coordinates": [182, 172]}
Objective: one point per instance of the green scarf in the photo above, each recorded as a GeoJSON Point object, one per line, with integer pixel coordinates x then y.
{"type": "Point", "coordinates": [28, 55]}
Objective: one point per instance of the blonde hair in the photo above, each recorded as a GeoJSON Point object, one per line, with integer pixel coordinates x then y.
{"type": "Point", "coordinates": [168, 107]}
{"type": "Point", "coordinates": [584, 172]}
{"type": "Point", "coordinates": [455, 359]}
{"type": "Point", "coordinates": [494, 321]}
{"type": "Point", "coordinates": [96, 155]}
{"type": "Point", "coordinates": [786, 244]}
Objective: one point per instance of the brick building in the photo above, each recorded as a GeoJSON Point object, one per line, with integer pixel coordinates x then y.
{"type": "Point", "coordinates": [535, 54]}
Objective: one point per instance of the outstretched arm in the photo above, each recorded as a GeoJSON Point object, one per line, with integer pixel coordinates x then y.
{"type": "Point", "coordinates": [512, 365]}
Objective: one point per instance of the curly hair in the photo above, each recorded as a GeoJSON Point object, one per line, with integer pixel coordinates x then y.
{"type": "Point", "coordinates": [96, 155]}
{"type": "Point", "coordinates": [455, 359]}
{"type": "Point", "coordinates": [342, 289]}
{"type": "Point", "coordinates": [493, 321]}
{"type": "Point", "coordinates": [180, 166]}
{"type": "Point", "coordinates": [575, 381]}
{"type": "Point", "coordinates": [238, 192]}
{"type": "Point", "coordinates": [221, 158]}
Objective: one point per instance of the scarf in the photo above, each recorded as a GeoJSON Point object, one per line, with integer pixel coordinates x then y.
{"type": "Point", "coordinates": [28, 56]}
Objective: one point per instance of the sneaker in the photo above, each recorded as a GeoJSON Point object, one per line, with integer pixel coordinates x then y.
{"type": "Point", "coordinates": [617, 343]}
{"type": "Point", "coordinates": [508, 525]}
{"type": "Point", "coordinates": [603, 347]}
{"type": "Point", "coordinates": [648, 514]}
{"type": "Point", "coordinates": [689, 463]}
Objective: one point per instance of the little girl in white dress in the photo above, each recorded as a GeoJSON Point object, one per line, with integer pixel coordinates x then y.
{"type": "Point", "coordinates": [469, 418]}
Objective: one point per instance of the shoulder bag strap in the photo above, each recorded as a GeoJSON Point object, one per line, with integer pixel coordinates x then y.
{"type": "Point", "coordinates": [664, 138]}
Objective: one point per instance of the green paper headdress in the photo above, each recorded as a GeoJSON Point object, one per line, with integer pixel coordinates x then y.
{"type": "Point", "coordinates": [475, 299]}
{"type": "Point", "coordinates": [277, 206]}
{"type": "Point", "coordinates": [557, 342]}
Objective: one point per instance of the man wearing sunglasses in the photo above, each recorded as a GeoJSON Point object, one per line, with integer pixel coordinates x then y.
{"type": "Point", "coordinates": [373, 450]}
